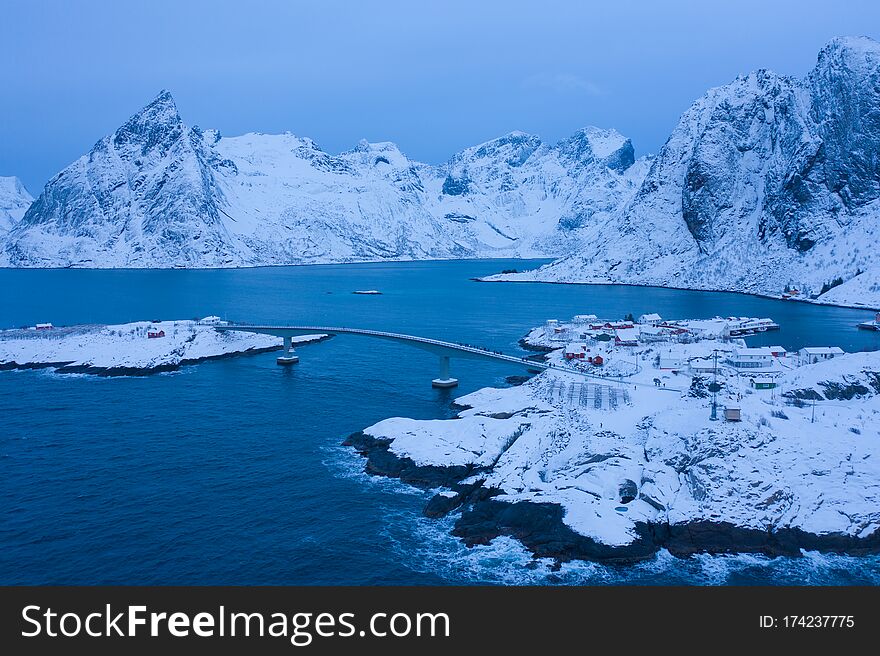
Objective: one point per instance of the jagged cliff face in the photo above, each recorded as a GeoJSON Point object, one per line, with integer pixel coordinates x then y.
{"type": "Point", "coordinates": [159, 193]}
{"type": "Point", "coordinates": [764, 182]}
{"type": "Point", "coordinates": [539, 193]}
{"type": "Point", "coordinates": [143, 195]}
{"type": "Point", "coordinates": [14, 201]}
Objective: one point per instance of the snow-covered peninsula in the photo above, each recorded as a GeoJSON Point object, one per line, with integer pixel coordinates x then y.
{"type": "Point", "coordinates": [138, 348]}
{"type": "Point", "coordinates": [616, 458]}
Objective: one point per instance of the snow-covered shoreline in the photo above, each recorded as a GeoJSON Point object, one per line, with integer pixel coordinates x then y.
{"type": "Point", "coordinates": [554, 464]}
{"type": "Point", "coordinates": [128, 349]}
{"type": "Point", "coordinates": [524, 277]}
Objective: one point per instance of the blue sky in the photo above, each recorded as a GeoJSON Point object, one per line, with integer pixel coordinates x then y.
{"type": "Point", "coordinates": [432, 76]}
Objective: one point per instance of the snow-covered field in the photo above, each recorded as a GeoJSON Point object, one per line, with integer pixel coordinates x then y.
{"type": "Point", "coordinates": [127, 347]}
{"type": "Point", "coordinates": [796, 460]}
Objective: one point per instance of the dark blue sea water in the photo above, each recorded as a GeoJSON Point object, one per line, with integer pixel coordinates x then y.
{"type": "Point", "coordinates": [231, 472]}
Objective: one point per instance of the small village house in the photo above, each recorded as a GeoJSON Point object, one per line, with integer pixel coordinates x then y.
{"type": "Point", "coordinates": [702, 365]}
{"type": "Point", "coordinates": [672, 360]}
{"type": "Point", "coordinates": [751, 358]}
{"type": "Point", "coordinates": [626, 337]}
{"type": "Point", "coordinates": [762, 382]}
{"type": "Point", "coordinates": [814, 354]}
{"type": "Point", "coordinates": [651, 319]}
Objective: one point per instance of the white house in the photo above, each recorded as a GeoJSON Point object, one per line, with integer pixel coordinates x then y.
{"type": "Point", "coordinates": [210, 321]}
{"type": "Point", "coordinates": [650, 319]}
{"type": "Point", "coordinates": [751, 358]}
{"type": "Point", "coordinates": [702, 365]}
{"type": "Point", "coordinates": [813, 354]}
{"type": "Point", "coordinates": [581, 319]}
{"type": "Point", "coordinates": [673, 361]}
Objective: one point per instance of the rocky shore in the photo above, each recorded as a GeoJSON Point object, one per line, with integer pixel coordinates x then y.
{"type": "Point", "coordinates": [541, 529]}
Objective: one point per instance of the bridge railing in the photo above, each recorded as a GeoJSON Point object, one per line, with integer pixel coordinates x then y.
{"type": "Point", "coordinates": [401, 336]}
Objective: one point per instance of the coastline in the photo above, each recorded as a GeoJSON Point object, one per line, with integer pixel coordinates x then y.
{"type": "Point", "coordinates": [118, 355]}
{"type": "Point", "coordinates": [867, 308]}
{"type": "Point", "coordinates": [109, 372]}
{"type": "Point", "coordinates": [541, 529]}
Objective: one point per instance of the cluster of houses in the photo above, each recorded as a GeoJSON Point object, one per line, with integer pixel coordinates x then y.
{"type": "Point", "coordinates": [652, 327]}
{"type": "Point", "coordinates": [761, 365]}
{"type": "Point", "coordinates": [586, 339]}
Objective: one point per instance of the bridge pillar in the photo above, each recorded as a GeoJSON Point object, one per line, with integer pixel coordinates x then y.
{"type": "Point", "coordinates": [288, 355]}
{"type": "Point", "coordinates": [444, 380]}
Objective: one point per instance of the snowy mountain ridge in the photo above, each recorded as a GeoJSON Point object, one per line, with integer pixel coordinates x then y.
{"type": "Point", "coordinates": [158, 193]}
{"type": "Point", "coordinates": [765, 183]}
{"type": "Point", "coordinates": [14, 201]}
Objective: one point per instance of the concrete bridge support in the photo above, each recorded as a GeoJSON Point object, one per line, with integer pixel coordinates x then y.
{"type": "Point", "coordinates": [288, 355]}
{"type": "Point", "coordinates": [444, 380]}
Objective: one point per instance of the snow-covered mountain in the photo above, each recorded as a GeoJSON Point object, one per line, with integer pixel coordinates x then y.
{"type": "Point", "coordinates": [160, 193]}
{"type": "Point", "coordinates": [766, 182]}
{"type": "Point", "coordinates": [14, 201]}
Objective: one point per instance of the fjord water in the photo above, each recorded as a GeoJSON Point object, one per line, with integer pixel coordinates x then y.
{"type": "Point", "coordinates": [232, 472]}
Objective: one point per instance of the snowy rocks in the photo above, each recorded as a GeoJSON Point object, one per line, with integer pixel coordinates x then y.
{"type": "Point", "coordinates": [381, 461]}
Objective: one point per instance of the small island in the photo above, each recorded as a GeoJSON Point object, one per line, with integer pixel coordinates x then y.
{"type": "Point", "coordinates": [368, 292]}
{"type": "Point", "coordinates": [130, 349]}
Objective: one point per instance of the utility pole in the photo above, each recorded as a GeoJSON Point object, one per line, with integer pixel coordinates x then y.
{"type": "Point", "coordinates": [714, 415]}
{"type": "Point", "coordinates": [813, 415]}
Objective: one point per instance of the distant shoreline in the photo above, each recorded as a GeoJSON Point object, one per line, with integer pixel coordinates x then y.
{"type": "Point", "coordinates": [807, 301]}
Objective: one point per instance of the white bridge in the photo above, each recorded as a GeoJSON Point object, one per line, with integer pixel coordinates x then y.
{"type": "Point", "coordinates": [444, 350]}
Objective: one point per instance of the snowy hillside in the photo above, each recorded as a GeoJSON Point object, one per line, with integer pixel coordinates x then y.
{"type": "Point", "coordinates": [580, 467]}
{"type": "Point", "coordinates": [160, 193]}
{"type": "Point", "coordinates": [766, 182]}
{"type": "Point", "coordinates": [14, 201]}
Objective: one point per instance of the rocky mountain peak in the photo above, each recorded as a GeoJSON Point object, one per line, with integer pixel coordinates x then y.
{"type": "Point", "coordinates": [592, 144]}
{"type": "Point", "coordinates": [156, 124]}
{"type": "Point", "coordinates": [14, 201]}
